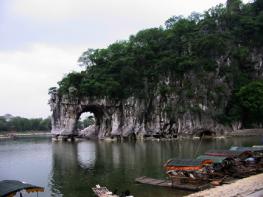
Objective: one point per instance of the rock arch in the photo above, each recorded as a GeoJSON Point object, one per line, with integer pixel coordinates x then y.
{"type": "Point", "coordinates": [129, 117]}
{"type": "Point", "coordinates": [67, 110]}
{"type": "Point", "coordinates": [203, 132]}
{"type": "Point", "coordinates": [98, 113]}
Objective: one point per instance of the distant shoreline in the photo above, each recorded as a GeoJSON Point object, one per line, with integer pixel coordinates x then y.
{"type": "Point", "coordinates": [246, 132]}
{"type": "Point", "coordinates": [237, 133]}
{"type": "Point", "coordinates": [13, 135]}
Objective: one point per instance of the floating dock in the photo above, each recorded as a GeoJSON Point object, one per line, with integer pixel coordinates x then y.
{"type": "Point", "coordinates": [168, 183]}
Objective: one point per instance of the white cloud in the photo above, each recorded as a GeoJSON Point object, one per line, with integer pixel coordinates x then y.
{"type": "Point", "coordinates": [26, 76]}
{"type": "Point", "coordinates": [43, 9]}
{"type": "Point", "coordinates": [64, 10]}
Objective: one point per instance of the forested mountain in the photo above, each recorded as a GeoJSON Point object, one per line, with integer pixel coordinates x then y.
{"type": "Point", "coordinates": [207, 64]}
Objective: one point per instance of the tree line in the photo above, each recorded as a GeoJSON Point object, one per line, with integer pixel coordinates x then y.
{"type": "Point", "coordinates": [19, 124]}
{"type": "Point", "coordinates": [86, 122]}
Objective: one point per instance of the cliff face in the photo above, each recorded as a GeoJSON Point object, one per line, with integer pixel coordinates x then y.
{"type": "Point", "coordinates": [134, 116]}
{"type": "Point", "coordinates": [168, 110]}
{"type": "Point", "coordinates": [191, 77]}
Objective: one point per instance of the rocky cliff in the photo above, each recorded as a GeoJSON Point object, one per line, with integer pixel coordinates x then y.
{"type": "Point", "coordinates": [194, 76]}
{"type": "Point", "coordinates": [166, 114]}
{"type": "Point", "coordinates": [134, 117]}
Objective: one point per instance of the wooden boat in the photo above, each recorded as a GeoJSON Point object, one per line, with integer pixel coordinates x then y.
{"type": "Point", "coordinates": [168, 183]}
{"type": "Point", "coordinates": [182, 171]}
{"type": "Point", "coordinates": [221, 166]}
{"type": "Point", "coordinates": [213, 168]}
{"type": "Point", "coordinates": [230, 153]}
{"type": "Point", "coordinates": [186, 164]}
{"type": "Point", "coordinates": [256, 151]}
{"type": "Point", "coordinates": [255, 160]}
{"type": "Point", "coordinates": [219, 162]}
{"type": "Point", "coordinates": [242, 161]}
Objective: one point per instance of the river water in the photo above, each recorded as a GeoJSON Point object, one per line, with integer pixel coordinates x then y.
{"type": "Point", "coordinates": [71, 169]}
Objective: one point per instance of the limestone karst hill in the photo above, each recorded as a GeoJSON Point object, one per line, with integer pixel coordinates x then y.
{"type": "Point", "coordinates": [197, 74]}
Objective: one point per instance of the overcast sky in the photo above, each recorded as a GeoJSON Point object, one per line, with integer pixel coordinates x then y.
{"type": "Point", "coordinates": [41, 40]}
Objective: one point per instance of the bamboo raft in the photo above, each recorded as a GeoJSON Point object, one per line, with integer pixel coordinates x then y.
{"type": "Point", "coordinates": [168, 183]}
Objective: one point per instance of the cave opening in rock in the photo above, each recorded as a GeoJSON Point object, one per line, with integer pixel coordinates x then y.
{"type": "Point", "coordinates": [206, 133]}
{"type": "Point", "coordinates": [89, 120]}
{"type": "Point", "coordinates": [85, 120]}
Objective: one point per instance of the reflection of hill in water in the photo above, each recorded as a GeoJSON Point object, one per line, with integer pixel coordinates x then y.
{"type": "Point", "coordinates": [70, 167]}
{"type": "Point", "coordinates": [79, 166]}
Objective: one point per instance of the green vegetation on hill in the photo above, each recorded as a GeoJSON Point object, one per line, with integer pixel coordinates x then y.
{"type": "Point", "coordinates": [221, 42]}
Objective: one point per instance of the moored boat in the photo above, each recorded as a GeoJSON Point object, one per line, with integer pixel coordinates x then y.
{"type": "Point", "coordinates": [9, 188]}
{"type": "Point", "coordinates": [188, 170]}
{"type": "Point", "coordinates": [255, 160]}
{"type": "Point", "coordinates": [214, 167]}
{"type": "Point", "coordinates": [230, 153]}
{"type": "Point", "coordinates": [240, 166]}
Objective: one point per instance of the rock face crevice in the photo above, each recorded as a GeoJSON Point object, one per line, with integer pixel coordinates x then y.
{"type": "Point", "coordinates": [132, 116]}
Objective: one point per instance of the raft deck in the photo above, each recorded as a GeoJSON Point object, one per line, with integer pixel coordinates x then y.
{"type": "Point", "coordinates": [168, 183]}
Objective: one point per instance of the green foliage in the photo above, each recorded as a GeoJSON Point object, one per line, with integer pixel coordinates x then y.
{"type": "Point", "coordinates": [73, 79]}
{"type": "Point", "coordinates": [217, 43]}
{"type": "Point", "coordinates": [164, 90]}
{"type": "Point", "coordinates": [24, 124]}
{"type": "Point", "coordinates": [89, 120]}
{"type": "Point", "coordinates": [247, 104]}
{"type": "Point", "coordinates": [52, 90]}
{"type": "Point", "coordinates": [251, 96]}
{"type": "Point", "coordinates": [4, 126]}
{"type": "Point", "coordinates": [241, 54]}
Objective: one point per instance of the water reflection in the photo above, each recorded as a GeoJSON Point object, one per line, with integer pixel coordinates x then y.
{"type": "Point", "coordinates": [71, 169]}
{"type": "Point", "coordinates": [76, 167]}
{"type": "Point", "coordinates": [86, 154]}
{"type": "Point", "coordinates": [70, 164]}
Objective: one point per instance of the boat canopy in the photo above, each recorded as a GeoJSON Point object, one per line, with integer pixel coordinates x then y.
{"type": "Point", "coordinates": [229, 153]}
{"type": "Point", "coordinates": [185, 162]}
{"type": "Point", "coordinates": [8, 188]}
{"type": "Point", "coordinates": [242, 148]}
{"type": "Point", "coordinates": [215, 159]}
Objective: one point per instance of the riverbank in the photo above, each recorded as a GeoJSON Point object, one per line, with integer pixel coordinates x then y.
{"type": "Point", "coordinates": [237, 133]}
{"type": "Point", "coordinates": [246, 132]}
{"type": "Point", "coordinates": [13, 135]}
{"type": "Point", "coordinates": [250, 186]}
{"type": "Point", "coordinates": [243, 132]}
